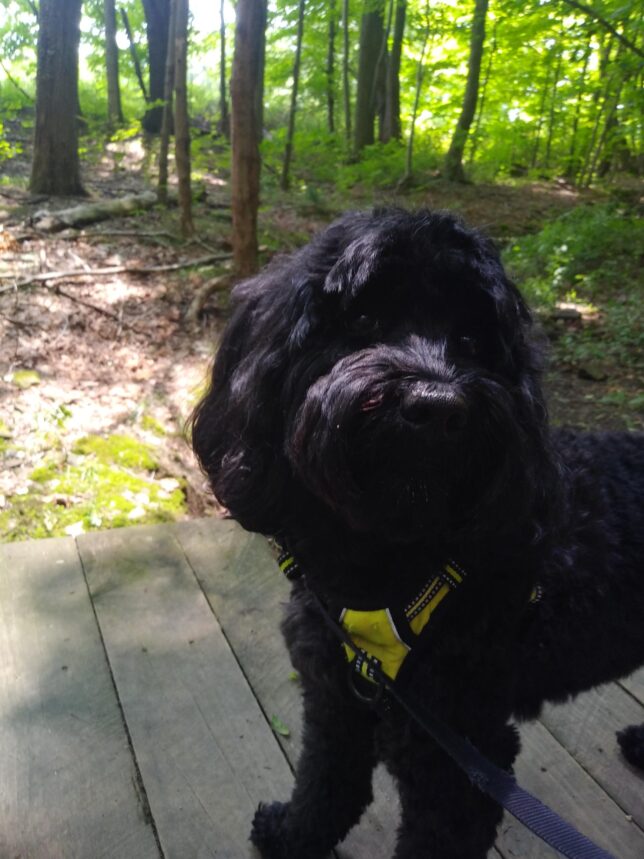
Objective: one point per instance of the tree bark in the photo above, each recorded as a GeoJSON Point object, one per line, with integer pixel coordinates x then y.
{"type": "Point", "coordinates": [224, 115]}
{"type": "Point", "coordinates": [391, 129]}
{"type": "Point", "coordinates": [114, 110]}
{"type": "Point", "coordinates": [454, 158]}
{"type": "Point", "coordinates": [346, 90]}
{"type": "Point", "coordinates": [371, 36]}
{"type": "Point", "coordinates": [330, 69]}
{"type": "Point", "coordinates": [167, 117]}
{"type": "Point", "coordinates": [157, 19]}
{"type": "Point", "coordinates": [55, 167]}
{"type": "Point", "coordinates": [288, 152]}
{"type": "Point", "coordinates": [246, 86]}
{"type": "Point", "coordinates": [181, 123]}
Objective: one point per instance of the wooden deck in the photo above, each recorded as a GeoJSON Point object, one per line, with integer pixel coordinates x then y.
{"type": "Point", "coordinates": [140, 669]}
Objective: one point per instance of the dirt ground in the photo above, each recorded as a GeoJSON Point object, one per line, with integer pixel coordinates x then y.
{"type": "Point", "coordinates": [113, 356]}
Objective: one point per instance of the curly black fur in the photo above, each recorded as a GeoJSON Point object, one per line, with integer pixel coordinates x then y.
{"type": "Point", "coordinates": [376, 401]}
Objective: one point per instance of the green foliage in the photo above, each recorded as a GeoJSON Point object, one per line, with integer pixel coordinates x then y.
{"type": "Point", "coordinates": [589, 250]}
{"type": "Point", "coordinates": [593, 254]}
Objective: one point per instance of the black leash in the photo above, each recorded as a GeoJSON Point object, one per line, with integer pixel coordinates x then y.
{"type": "Point", "coordinates": [487, 776]}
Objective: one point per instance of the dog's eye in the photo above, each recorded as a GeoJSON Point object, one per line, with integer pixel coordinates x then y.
{"type": "Point", "coordinates": [469, 346]}
{"type": "Point", "coordinates": [363, 325]}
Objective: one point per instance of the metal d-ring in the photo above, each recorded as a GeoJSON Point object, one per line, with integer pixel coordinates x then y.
{"type": "Point", "coordinates": [366, 699]}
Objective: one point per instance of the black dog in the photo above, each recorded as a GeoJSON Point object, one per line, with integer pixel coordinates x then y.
{"type": "Point", "coordinates": [376, 404]}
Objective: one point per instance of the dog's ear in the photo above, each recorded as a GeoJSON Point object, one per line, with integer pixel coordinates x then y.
{"type": "Point", "coordinates": [237, 428]}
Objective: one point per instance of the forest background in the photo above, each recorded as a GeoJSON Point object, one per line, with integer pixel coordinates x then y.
{"type": "Point", "coordinates": [119, 245]}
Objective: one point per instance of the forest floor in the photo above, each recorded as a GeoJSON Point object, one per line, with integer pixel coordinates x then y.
{"type": "Point", "coordinates": [99, 373]}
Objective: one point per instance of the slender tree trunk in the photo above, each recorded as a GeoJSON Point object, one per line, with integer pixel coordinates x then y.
{"type": "Point", "coordinates": [330, 69]}
{"type": "Point", "coordinates": [481, 105]}
{"type": "Point", "coordinates": [168, 102]}
{"type": "Point", "coordinates": [134, 54]}
{"type": "Point", "coordinates": [573, 159]}
{"type": "Point", "coordinates": [250, 35]}
{"type": "Point", "coordinates": [114, 111]}
{"type": "Point", "coordinates": [157, 18]}
{"type": "Point", "coordinates": [420, 73]}
{"type": "Point", "coordinates": [542, 110]}
{"type": "Point", "coordinates": [346, 90]}
{"type": "Point", "coordinates": [454, 158]}
{"type": "Point", "coordinates": [224, 116]}
{"type": "Point", "coordinates": [181, 122]}
{"type": "Point", "coordinates": [380, 76]}
{"type": "Point", "coordinates": [288, 152]}
{"type": "Point", "coordinates": [391, 122]}
{"type": "Point", "coordinates": [553, 103]}
{"type": "Point", "coordinates": [371, 35]}
{"type": "Point", "coordinates": [55, 167]}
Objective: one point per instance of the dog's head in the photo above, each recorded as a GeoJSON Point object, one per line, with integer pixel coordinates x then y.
{"type": "Point", "coordinates": [384, 372]}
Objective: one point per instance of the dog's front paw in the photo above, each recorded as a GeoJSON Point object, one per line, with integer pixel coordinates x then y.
{"type": "Point", "coordinates": [267, 833]}
{"type": "Point", "coordinates": [631, 742]}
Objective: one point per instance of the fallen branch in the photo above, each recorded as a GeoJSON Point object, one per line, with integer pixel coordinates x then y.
{"type": "Point", "coordinates": [203, 293]}
{"type": "Point", "coordinates": [115, 269]}
{"type": "Point", "coordinates": [89, 213]}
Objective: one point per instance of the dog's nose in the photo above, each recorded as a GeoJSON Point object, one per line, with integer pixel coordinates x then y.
{"type": "Point", "coordinates": [435, 406]}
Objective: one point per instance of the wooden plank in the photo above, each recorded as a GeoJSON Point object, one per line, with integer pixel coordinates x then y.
{"type": "Point", "coordinates": [67, 778]}
{"type": "Point", "coordinates": [546, 769]}
{"type": "Point", "coordinates": [635, 685]}
{"type": "Point", "coordinates": [587, 726]}
{"type": "Point", "coordinates": [239, 576]}
{"type": "Point", "coordinates": [205, 751]}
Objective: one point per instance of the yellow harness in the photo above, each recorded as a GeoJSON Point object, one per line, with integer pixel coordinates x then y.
{"type": "Point", "coordinates": [378, 638]}
{"type": "Point", "coordinates": [380, 641]}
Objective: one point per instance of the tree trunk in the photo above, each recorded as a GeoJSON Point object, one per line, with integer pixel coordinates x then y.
{"type": "Point", "coordinates": [55, 167]}
{"type": "Point", "coordinates": [391, 120]}
{"type": "Point", "coordinates": [288, 152]}
{"type": "Point", "coordinates": [114, 111]}
{"type": "Point", "coordinates": [553, 103]}
{"type": "Point", "coordinates": [181, 125]}
{"type": "Point", "coordinates": [250, 34]}
{"type": "Point", "coordinates": [346, 91]}
{"type": "Point", "coordinates": [420, 73]}
{"type": "Point", "coordinates": [134, 54]}
{"type": "Point", "coordinates": [167, 123]}
{"type": "Point", "coordinates": [371, 36]}
{"type": "Point", "coordinates": [157, 19]}
{"type": "Point", "coordinates": [224, 116]}
{"type": "Point", "coordinates": [573, 158]}
{"type": "Point", "coordinates": [454, 158]}
{"type": "Point", "coordinates": [330, 69]}
{"type": "Point", "coordinates": [481, 105]}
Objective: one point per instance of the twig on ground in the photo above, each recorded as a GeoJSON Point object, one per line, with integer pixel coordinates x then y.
{"type": "Point", "coordinates": [109, 270]}
{"type": "Point", "coordinates": [20, 324]}
{"type": "Point", "coordinates": [109, 313]}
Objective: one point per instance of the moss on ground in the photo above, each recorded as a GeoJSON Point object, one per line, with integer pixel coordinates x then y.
{"type": "Point", "coordinates": [118, 449]}
{"type": "Point", "coordinates": [107, 483]}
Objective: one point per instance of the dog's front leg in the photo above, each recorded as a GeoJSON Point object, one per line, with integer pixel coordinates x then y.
{"type": "Point", "coordinates": [443, 815]}
{"type": "Point", "coordinates": [333, 776]}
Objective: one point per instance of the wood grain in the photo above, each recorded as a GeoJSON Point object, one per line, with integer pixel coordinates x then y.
{"type": "Point", "coordinates": [206, 753]}
{"type": "Point", "coordinates": [68, 784]}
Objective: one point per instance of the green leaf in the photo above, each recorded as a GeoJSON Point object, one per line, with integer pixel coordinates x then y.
{"type": "Point", "coordinates": [279, 727]}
